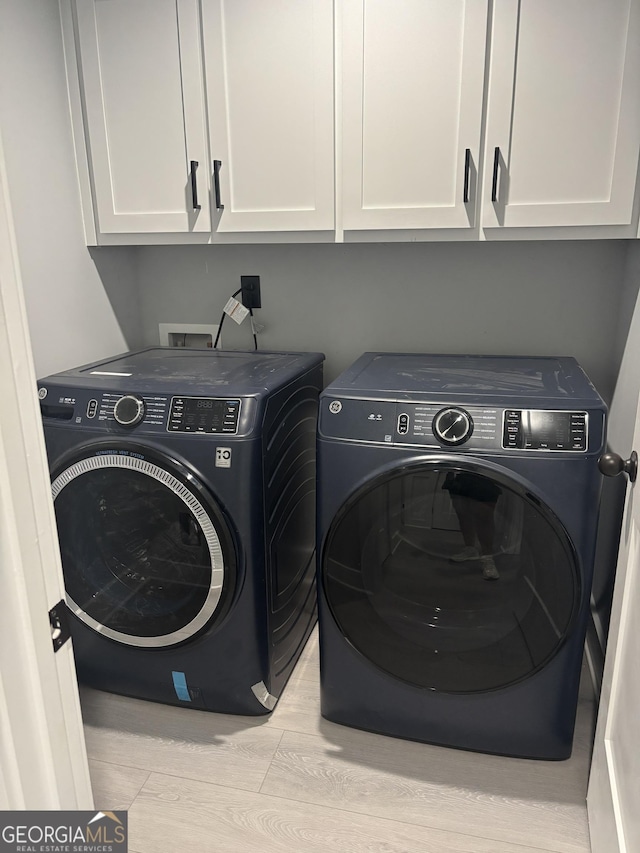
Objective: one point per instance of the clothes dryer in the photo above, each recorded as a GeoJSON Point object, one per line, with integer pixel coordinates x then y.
{"type": "Point", "coordinates": [184, 492]}
{"type": "Point", "coordinates": [457, 507]}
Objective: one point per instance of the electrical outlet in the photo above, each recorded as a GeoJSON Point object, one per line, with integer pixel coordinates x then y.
{"type": "Point", "coordinates": [193, 335]}
{"type": "Point", "coordinates": [250, 287]}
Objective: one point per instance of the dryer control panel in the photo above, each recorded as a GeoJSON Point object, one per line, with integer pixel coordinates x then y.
{"type": "Point", "coordinates": [461, 427]}
{"type": "Point", "coordinates": [535, 429]}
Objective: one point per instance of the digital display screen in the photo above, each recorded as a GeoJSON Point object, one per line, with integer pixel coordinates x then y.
{"type": "Point", "coordinates": [547, 429]}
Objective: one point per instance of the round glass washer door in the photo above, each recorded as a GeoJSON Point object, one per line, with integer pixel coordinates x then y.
{"type": "Point", "coordinates": [147, 556]}
{"type": "Point", "coordinates": [451, 577]}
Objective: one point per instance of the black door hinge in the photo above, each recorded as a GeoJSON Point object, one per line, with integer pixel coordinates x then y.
{"type": "Point", "coordinates": [60, 628]}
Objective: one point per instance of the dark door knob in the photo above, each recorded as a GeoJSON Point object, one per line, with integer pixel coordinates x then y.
{"type": "Point", "coordinates": [610, 464]}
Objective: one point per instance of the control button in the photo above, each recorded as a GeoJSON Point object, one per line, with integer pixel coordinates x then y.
{"type": "Point", "coordinates": [129, 410]}
{"type": "Point", "coordinates": [403, 424]}
{"type": "Point", "coordinates": [512, 430]}
{"type": "Point", "coordinates": [92, 408]}
{"type": "Point", "coordinates": [452, 426]}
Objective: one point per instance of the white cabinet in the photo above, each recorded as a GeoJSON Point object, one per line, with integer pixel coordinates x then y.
{"type": "Point", "coordinates": [204, 117]}
{"type": "Point", "coordinates": [412, 79]}
{"type": "Point", "coordinates": [143, 96]}
{"type": "Point", "coordinates": [561, 137]}
{"type": "Point", "coordinates": [269, 74]}
{"type": "Point", "coordinates": [213, 120]}
{"type": "Point", "coordinates": [563, 120]}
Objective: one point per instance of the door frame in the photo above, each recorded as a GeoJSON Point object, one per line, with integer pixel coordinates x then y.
{"type": "Point", "coordinates": [43, 759]}
{"type": "Point", "coordinates": [613, 823]}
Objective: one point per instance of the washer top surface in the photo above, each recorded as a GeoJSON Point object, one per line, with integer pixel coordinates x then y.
{"type": "Point", "coordinates": [171, 369]}
{"type": "Point", "coordinates": [383, 375]}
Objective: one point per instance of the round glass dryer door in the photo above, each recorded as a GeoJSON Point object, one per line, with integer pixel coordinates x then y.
{"type": "Point", "coordinates": [147, 557]}
{"type": "Point", "coordinates": [451, 578]}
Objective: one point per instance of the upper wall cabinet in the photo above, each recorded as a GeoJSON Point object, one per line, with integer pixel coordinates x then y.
{"type": "Point", "coordinates": [562, 104]}
{"type": "Point", "coordinates": [143, 96]}
{"type": "Point", "coordinates": [412, 83]}
{"type": "Point", "coordinates": [563, 120]}
{"type": "Point", "coordinates": [269, 73]}
{"type": "Point", "coordinates": [204, 117]}
{"type": "Point", "coordinates": [213, 120]}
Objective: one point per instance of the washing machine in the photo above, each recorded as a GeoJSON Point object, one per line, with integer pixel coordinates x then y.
{"type": "Point", "coordinates": [457, 506]}
{"type": "Point", "coordinates": [184, 492]}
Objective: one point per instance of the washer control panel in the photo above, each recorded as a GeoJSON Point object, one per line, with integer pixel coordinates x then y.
{"type": "Point", "coordinates": [204, 415]}
{"type": "Point", "coordinates": [115, 412]}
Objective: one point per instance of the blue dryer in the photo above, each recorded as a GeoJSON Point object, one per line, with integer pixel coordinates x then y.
{"type": "Point", "coordinates": [457, 507]}
{"type": "Point", "coordinates": [184, 493]}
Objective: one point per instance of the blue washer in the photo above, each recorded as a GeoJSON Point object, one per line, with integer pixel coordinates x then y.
{"type": "Point", "coordinates": [184, 493]}
{"type": "Point", "coordinates": [457, 508]}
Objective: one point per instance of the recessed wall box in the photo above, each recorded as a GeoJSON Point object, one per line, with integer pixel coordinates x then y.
{"type": "Point", "coordinates": [195, 335]}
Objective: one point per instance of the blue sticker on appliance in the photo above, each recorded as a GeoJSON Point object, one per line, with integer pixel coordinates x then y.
{"type": "Point", "coordinates": [180, 685]}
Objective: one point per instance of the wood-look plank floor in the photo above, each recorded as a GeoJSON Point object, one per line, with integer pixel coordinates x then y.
{"type": "Point", "coordinates": [295, 782]}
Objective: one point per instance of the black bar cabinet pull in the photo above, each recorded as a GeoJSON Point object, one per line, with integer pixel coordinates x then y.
{"type": "Point", "coordinates": [194, 185]}
{"type": "Point", "coordinates": [217, 165]}
{"type": "Point", "coordinates": [467, 170]}
{"type": "Point", "coordinates": [494, 185]}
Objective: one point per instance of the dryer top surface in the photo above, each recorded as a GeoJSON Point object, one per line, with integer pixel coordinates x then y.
{"type": "Point", "coordinates": [177, 370]}
{"type": "Point", "coordinates": [469, 378]}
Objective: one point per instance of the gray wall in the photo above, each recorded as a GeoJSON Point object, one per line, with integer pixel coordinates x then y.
{"type": "Point", "coordinates": [623, 409]}
{"type": "Point", "coordinates": [539, 298]}
{"type": "Point", "coordinates": [71, 316]}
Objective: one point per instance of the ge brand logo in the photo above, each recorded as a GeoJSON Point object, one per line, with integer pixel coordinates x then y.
{"type": "Point", "coordinates": [42, 393]}
{"type": "Point", "coordinates": [223, 457]}
{"type": "Point", "coordinates": [335, 406]}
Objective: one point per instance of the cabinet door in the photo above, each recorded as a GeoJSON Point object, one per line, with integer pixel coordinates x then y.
{"type": "Point", "coordinates": [563, 127]}
{"type": "Point", "coordinates": [142, 86]}
{"type": "Point", "coordinates": [269, 77]}
{"type": "Point", "coordinates": [412, 88]}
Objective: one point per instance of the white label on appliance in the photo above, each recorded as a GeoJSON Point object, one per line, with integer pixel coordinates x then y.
{"type": "Point", "coordinates": [223, 457]}
{"type": "Point", "coordinates": [236, 310]}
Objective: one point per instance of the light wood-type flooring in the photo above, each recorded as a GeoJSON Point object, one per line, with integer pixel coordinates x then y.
{"type": "Point", "coordinates": [212, 783]}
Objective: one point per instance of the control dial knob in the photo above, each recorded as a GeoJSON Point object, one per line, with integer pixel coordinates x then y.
{"type": "Point", "coordinates": [452, 426]}
{"type": "Point", "coordinates": [129, 410]}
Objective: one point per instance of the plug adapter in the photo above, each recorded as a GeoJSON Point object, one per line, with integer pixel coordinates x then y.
{"type": "Point", "coordinates": [250, 289]}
